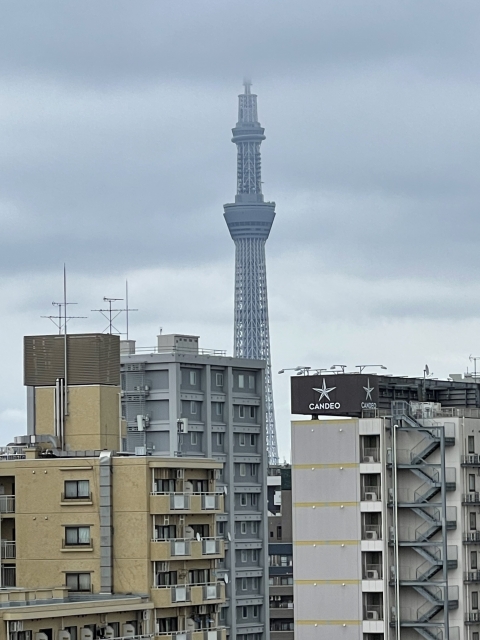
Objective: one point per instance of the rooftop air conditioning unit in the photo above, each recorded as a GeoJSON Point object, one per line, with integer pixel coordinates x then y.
{"type": "Point", "coordinates": [370, 496]}
{"type": "Point", "coordinates": [372, 574]}
{"type": "Point", "coordinates": [371, 535]}
{"type": "Point", "coordinates": [372, 615]}
{"type": "Point", "coordinates": [368, 459]}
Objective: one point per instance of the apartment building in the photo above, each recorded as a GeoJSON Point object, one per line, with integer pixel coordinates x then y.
{"type": "Point", "coordinates": [179, 400]}
{"type": "Point", "coordinates": [386, 507]}
{"type": "Point", "coordinates": [96, 543]}
{"type": "Point", "coordinates": [280, 552]}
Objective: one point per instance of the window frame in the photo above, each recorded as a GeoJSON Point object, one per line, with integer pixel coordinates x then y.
{"type": "Point", "coordinates": [241, 411]}
{"type": "Point", "coordinates": [241, 381]}
{"type": "Point", "coordinates": [254, 527]}
{"type": "Point", "coordinates": [241, 440]}
{"type": "Point", "coordinates": [251, 381]}
{"type": "Point", "coordinates": [192, 378]}
{"type": "Point", "coordinates": [243, 499]}
{"type": "Point", "coordinates": [193, 438]}
{"type": "Point", "coordinates": [79, 575]}
{"type": "Point", "coordinates": [243, 528]}
{"type": "Point", "coordinates": [219, 439]}
{"type": "Point", "coordinates": [471, 482]}
{"type": "Point", "coordinates": [244, 584]}
{"type": "Point", "coordinates": [193, 407]}
{"type": "Point", "coordinates": [474, 599]}
{"type": "Point", "coordinates": [473, 560]}
{"type": "Point", "coordinates": [254, 499]}
{"type": "Point", "coordinates": [471, 444]}
{"type": "Point", "coordinates": [243, 555]}
{"type": "Point", "coordinates": [76, 529]}
{"type": "Point", "coordinates": [76, 484]}
{"type": "Point", "coordinates": [242, 469]}
{"type": "Point", "coordinates": [253, 439]}
{"type": "Point", "coordinates": [219, 408]}
{"type": "Point", "coordinates": [252, 412]}
{"type": "Point", "coordinates": [473, 520]}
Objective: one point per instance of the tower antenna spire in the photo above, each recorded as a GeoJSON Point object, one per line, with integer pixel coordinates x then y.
{"type": "Point", "coordinates": [249, 221]}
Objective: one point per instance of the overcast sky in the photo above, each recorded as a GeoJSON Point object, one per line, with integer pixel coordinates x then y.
{"type": "Point", "coordinates": [115, 157]}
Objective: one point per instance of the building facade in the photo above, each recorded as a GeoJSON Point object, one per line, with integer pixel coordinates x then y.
{"type": "Point", "coordinates": [280, 552]}
{"type": "Point", "coordinates": [182, 401]}
{"type": "Point", "coordinates": [249, 220]}
{"type": "Point", "coordinates": [386, 508]}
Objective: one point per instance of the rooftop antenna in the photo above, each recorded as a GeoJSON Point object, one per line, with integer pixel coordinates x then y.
{"type": "Point", "coordinates": [112, 314]}
{"type": "Point", "coordinates": [247, 83]}
{"type": "Point", "coordinates": [61, 319]}
{"type": "Point", "coordinates": [474, 360]}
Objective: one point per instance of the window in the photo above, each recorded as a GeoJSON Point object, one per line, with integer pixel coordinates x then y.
{"type": "Point", "coordinates": [77, 536]}
{"type": "Point", "coordinates": [241, 439]}
{"type": "Point", "coordinates": [166, 625]}
{"type": "Point", "coordinates": [75, 489]}
{"type": "Point", "coordinates": [279, 533]}
{"type": "Point", "coordinates": [78, 581]}
{"type": "Point", "coordinates": [193, 378]}
{"type": "Point", "coordinates": [222, 613]}
{"type": "Point", "coordinates": [471, 444]}
{"type": "Point", "coordinates": [193, 407]}
{"type": "Point", "coordinates": [473, 521]}
{"type": "Point", "coordinates": [475, 635]}
{"type": "Point", "coordinates": [193, 438]}
{"type": "Point", "coordinates": [244, 584]}
{"type": "Point", "coordinates": [243, 499]}
{"type": "Point", "coordinates": [243, 528]}
{"type": "Point", "coordinates": [241, 411]}
{"type": "Point", "coordinates": [254, 584]}
{"type": "Point", "coordinates": [220, 439]}
{"type": "Point", "coordinates": [243, 469]}
{"type": "Point", "coordinates": [252, 412]}
{"type": "Point", "coordinates": [253, 469]}
{"type": "Point", "coordinates": [473, 560]}
{"type": "Point", "coordinates": [474, 599]}
{"type": "Point", "coordinates": [471, 482]}
{"type": "Point", "coordinates": [254, 527]}
{"type": "Point", "coordinates": [255, 610]}
{"type": "Point", "coordinates": [218, 408]}
{"type": "Point", "coordinates": [254, 555]}
{"type": "Point", "coordinates": [243, 556]}
{"type": "Point", "coordinates": [253, 440]}
{"type": "Point", "coordinates": [241, 381]}
{"type": "Point", "coordinates": [251, 382]}
{"type": "Point", "coordinates": [244, 612]}
{"type": "Point", "coordinates": [220, 528]}
{"type": "Point", "coordinates": [219, 379]}
{"type": "Point", "coordinates": [253, 499]}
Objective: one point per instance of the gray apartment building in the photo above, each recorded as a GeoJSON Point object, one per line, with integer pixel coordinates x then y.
{"type": "Point", "coordinates": [386, 508]}
{"type": "Point", "coordinates": [280, 551]}
{"type": "Point", "coordinates": [180, 400]}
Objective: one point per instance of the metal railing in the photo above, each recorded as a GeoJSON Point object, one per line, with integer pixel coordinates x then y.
{"type": "Point", "coordinates": [7, 504]}
{"type": "Point", "coordinates": [8, 550]}
{"type": "Point", "coordinates": [471, 576]}
{"type": "Point", "coordinates": [371, 493]}
{"type": "Point", "coordinates": [372, 532]}
{"type": "Point", "coordinates": [199, 351]}
{"type": "Point", "coordinates": [12, 453]}
{"type": "Point", "coordinates": [371, 454]}
{"type": "Point", "coordinates": [471, 458]}
{"type": "Point", "coordinates": [372, 572]}
{"type": "Point", "coordinates": [274, 604]}
{"type": "Point", "coordinates": [471, 498]}
{"type": "Point", "coordinates": [472, 536]}
{"type": "Point", "coordinates": [210, 500]}
{"type": "Point", "coordinates": [472, 616]}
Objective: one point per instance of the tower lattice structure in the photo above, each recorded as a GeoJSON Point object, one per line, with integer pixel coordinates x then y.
{"type": "Point", "coordinates": [249, 220]}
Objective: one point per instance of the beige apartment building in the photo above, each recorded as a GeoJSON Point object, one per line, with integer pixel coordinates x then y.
{"type": "Point", "coordinates": [96, 543]}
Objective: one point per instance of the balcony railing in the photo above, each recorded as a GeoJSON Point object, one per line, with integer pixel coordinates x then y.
{"type": "Point", "coordinates": [471, 498]}
{"type": "Point", "coordinates": [371, 494]}
{"type": "Point", "coordinates": [187, 547]}
{"type": "Point", "coordinates": [372, 572]}
{"type": "Point", "coordinates": [183, 501]}
{"type": "Point", "coordinates": [212, 591]}
{"type": "Point", "coordinates": [373, 612]}
{"type": "Point", "coordinates": [372, 532]}
{"type": "Point", "coordinates": [7, 504]}
{"type": "Point", "coordinates": [8, 550]}
{"type": "Point", "coordinates": [472, 537]}
{"type": "Point", "coordinates": [210, 546]}
{"type": "Point", "coordinates": [472, 617]}
{"type": "Point", "coordinates": [370, 455]}
{"type": "Point", "coordinates": [197, 634]}
{"type": "Point", "coordinates": [471, 576]}
{"type": "Point", "coordinates": [12, 453]}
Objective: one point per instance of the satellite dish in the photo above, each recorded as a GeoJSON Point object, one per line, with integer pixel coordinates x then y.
{"type": "Point", "coordinates": [198, 537]}
{"type": "Point", "coordinates": [225, 578]}
{"type": "Point", "coordinates": [427, 370]}
{"type": "Point", "coordinates": [229, 536]}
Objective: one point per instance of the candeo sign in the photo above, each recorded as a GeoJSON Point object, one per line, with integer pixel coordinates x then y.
{"type": "Point", "coordinates": [334, 395]}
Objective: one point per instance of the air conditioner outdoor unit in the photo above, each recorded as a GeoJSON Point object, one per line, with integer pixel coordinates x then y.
{"type": "Point", "coordinates": [372, 574]}
{"type": "Point", "coordinates": [63, 634]}
{"type": "Point", "coordinates": [370, 496]}
{"type": "Point", "coordinates": [140, 451]}
{"type": "Point", "coordinates": [166, 520]}
{"type": "Point", "coordinates": [128, 630]}
{"type": "Point", "coordinates": [109, 632]}
{"type": "Point", "coordinates": [146, 614]}
{"type": "Point", "coordinates": [146, 387]}
{"type": "Point", "coordinates": [86, 634]}
{"type": "Point", "coordinates": [372, 615]}
{"type": "Point", "coordinates": [371, 535]}
{"type": "Point", "coordinates": [202, 609]}
{"type": "Point", "coordinates": [180, 473]}
{"type": "Point", "coordinates": [368, 459]}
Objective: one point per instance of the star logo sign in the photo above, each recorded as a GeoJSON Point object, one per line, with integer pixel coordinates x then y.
{"type": "Point", "coordinates": [324, 391]}
{"type": "Point", "coordinates": [368, 390]}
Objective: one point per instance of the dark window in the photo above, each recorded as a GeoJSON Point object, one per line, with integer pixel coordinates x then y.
{"type": "Point", "coordinates": [474, 599]}
{"type": "Point", "coordinates": [253, 439]}
{"type": "Point", "coordinates": [252, 412]}
{"type": "Point", "coordinates": [473, 521]}
{"type": "Point", "coordinates": [77, 536]}
{"type": "Point", "coordinates": [471, 482]}
{"type": "Point", "coordinates": [167, 625]}
{"type": "Point", "coordinates": [473, 560]}
{"type": "Point", "coordinates": [471, 444]}
{"type": "Point", "coordinates": [78, 581]}
{"type": "Point", "coordinates": [475, 635]}
{"type": "Point", "coordinates": [77, 489]}
{"type": "Point", "coordinates": [279, 533]}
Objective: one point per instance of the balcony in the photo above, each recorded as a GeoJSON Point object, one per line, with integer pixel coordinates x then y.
{"type": "Point", "coordinates": [472, 498]}
{"type": "Point", "coordinates": [370, 494]}
{"type": "Point", "coordinates": [187, 548]}
{"type": "Point", "coordinates": [471, 460]}
{"type": "Point", "coordinates": [473, 537]}
{"type": "Point", "coordinates": [188, 594]}
{"type": "Point", "coordinates": [7, 504]}
{"type": "Point", "coordinates": [218, 633]}
{"type": "Point", "coordinates": [373, 612]}
{"type": "Point", "coordinates": [471, 576]}
{"type": "Point", "coordinates": [8, 550]}
{"type": "Point", "coordinates": [372, 572]}
{"type": "Point", "coordinates": [165, 503]}
{"type": "Point", "coordinates": [472, 617]}
{"type": "Point", "coordinates": [370, 455]}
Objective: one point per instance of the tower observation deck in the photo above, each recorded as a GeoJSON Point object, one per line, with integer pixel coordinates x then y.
{"type": "Point", "coordinates": [249, 220]}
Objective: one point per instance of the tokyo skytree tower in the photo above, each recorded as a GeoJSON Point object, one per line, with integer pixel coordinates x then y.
{"type": "Point", "coordinates": [249, 221]}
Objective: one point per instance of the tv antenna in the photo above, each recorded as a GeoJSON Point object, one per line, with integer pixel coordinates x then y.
{"type": "Point", "coordinates": [61, 319]}
{"type": "Point", "coordinates": [111, 314]}
{"type": "Point", "coordinates": [474, 360]}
